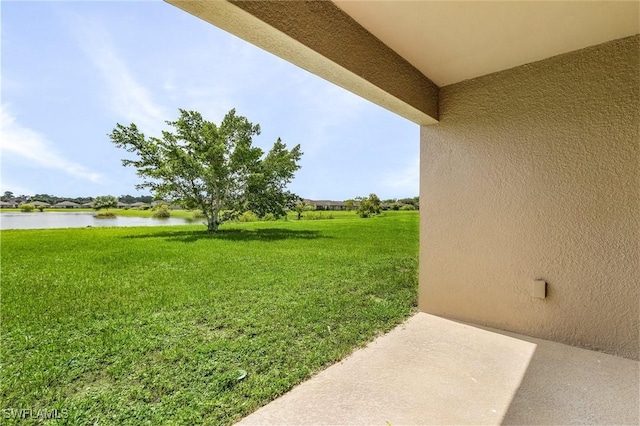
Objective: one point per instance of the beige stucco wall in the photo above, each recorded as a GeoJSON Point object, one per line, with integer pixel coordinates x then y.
{"type": "Point", "coordinates": [533, 173]}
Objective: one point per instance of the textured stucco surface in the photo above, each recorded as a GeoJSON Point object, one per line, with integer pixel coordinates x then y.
{"type": "Point", "coordinates": [322, 39]}
{"type": "Point", "coordinates": [453, 41]}
{"type": "Point", "coordinates": [533, 173]}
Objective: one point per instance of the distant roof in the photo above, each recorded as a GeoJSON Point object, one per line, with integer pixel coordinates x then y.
{"type": "Point", "coordinates": [67, 203]}
{"type": "Point", "coordinates": [40, 203]}
{"type": "Point", "coordinates": [325, 202]}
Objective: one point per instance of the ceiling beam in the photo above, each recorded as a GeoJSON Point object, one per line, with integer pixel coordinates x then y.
{"type": "Point", "coordinates": [319, 37]}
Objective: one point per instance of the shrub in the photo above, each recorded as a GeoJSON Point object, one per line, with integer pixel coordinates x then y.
{"type": "Point", "coordinates": [299, 209]}
{"type": "Point", "coordinates": [248, 216]}
{"type": "Point", "coordinates": [395, 206]}
{"type": "Point", "coordinates": [26, 207]}
{"type": "Point", "coordinates": [40, 208]}
{"type": "Point", "coordinates": [269, 217]}
{"type": "Point", "coordinates": [408, 207]}
{"type": "Point", "coordinates": [105, 202]}
{"type": "Point", "coordinates": [198, 215]}
{"type": "Point", "coordinates": [318, 216]}
{"type": "Point", "coordinates": [159, 205]}
{"type": "Point", "coordinates": [369, 206]}
{"type": "Point", "coordinates": [301, 206]}
{"type": "Point", "coordinates": [161, 211]}
{"type": "Point", "coordinates": [105, 215]}
{"type": "Point", "coordinates": [227, 216]}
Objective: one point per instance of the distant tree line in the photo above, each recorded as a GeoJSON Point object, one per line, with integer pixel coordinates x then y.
{"type": "Point", "coordinates": [351, 204]}
{"type": "Point", "coordinates": [8, 196]}
{"type": "Point", "coordinates": [374, 204]}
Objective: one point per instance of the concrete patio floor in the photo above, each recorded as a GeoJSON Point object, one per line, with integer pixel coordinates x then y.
{"type": "Point", "coordinates": [430, 370]}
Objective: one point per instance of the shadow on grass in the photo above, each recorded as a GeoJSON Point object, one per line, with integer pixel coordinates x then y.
{"type": "Point", "coordinates": [272, 234]}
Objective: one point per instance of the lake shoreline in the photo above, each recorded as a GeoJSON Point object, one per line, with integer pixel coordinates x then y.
{"type": "Point", "coordinates": [84, 219]}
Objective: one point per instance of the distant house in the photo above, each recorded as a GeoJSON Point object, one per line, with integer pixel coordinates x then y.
{"type": "Point", "coordinates": [327, 204]}
{"type": "Point", "coordinates": [88, 205]}
{"type": "Point", "coordinates": [5, 205]}
{"type": "Point", "coordinates": [67, 205]}
{"type": "Point", "coordinates": [139, 204]}
{"type": "Point", "coordinates": [171, 206]}
{"type": "Point", "coordinates": [122, 205]}
{"type": "Point", "coordinates": [40, 204]}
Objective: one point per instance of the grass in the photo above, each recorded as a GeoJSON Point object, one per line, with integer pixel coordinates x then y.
{"type": "Point", "coordinates": [155, 325]}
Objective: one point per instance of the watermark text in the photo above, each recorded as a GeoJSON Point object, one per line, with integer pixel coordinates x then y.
{"type": "Point", "coordinates": [30, 413]}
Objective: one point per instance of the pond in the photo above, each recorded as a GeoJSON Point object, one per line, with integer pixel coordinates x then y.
{"type": "Point", "coordinates": [49, 220]}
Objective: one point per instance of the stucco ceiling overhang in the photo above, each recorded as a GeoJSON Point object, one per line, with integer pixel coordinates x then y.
{"type": "Point", "coordinates": [398, 53]}
{"type": "Point", "coordinates": [321, 38]}
{"type": "Point", "coordinates": [452, 41]}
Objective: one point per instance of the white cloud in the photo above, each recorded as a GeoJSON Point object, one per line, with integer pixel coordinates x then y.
{"type": "Point", "coordinates": [32, 146]}
{"type": "Point", "coordinates": [127, 97]}
{"type": "Point", "coordinates": [325, 109]}
{"type": "Point", "coordinates": [17, 189]}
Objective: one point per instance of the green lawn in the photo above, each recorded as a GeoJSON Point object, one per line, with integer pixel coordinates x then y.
{"type": "Point", "coordinates": [153, 325]}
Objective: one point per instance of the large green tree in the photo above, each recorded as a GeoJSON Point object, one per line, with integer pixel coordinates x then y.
{"type": "Point", "coordinates": [213, 168]}
{"type": "Point", "coordinates": [105, 202]}
{"type": "Point", "coordinates": [368, 206]}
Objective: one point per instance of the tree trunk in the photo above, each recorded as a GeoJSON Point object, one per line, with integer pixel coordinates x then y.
{"type": "Point", "coordinates": [212, 220]}
{"type": "Point", "coordinates": [212, 224]}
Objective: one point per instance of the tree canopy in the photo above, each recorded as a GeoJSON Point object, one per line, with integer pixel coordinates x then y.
{"type": "Point", "coordinates": [213, 168]}
{"type": "Point", "coordinates": [105, 202]}
{"type": "Point", "coordinates": [368, 206]}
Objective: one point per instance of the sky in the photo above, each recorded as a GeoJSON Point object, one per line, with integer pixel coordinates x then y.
{"type": "Point", "coordinates": [71, 70]}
